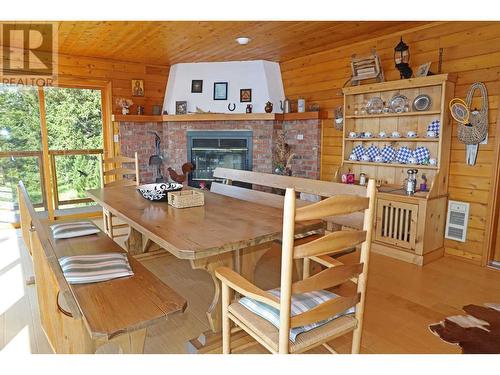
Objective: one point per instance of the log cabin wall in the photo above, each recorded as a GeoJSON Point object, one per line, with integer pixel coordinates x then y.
{"type": "Point", "coordinates": [119, 73]}
{"type": "Point", "coordinates": [471, 50]}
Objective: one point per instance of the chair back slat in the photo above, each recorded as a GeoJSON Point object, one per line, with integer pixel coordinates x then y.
{"type": "Point", "coordinates": [336, 205]}
{"type": "Point", "coordinates": [325, 310]}
{"type": "Point", "coordinates": [330, 243]}
{"type": "Point", "coordinates": [113, 167]}
{"type": "Point", "coordinates": [119, 172]}
{"type": "Point", "coordinates": [328, 278]}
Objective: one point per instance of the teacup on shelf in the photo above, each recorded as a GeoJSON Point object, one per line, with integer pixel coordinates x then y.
{"type": "Point", "coordinates": [412, 160]}
{"type": "Point", "coordinates": [411, 134]}
{"type": "Point", "coordinates": [395, 135]}
{"type": "Point", "coordinates": [367, 135]}
{"type": "Point", "coordinates": [432, 162]}
{"type": "Point", "coordinates": [353, 135]}
{"type": "Point", "coordinates": [365, 158]}
{"type": "Point", "coordinates": [431, 134]}
{"type": "Point", "coordinates": [382, 134]}
{"type": "Point", "coordinates": [378, 159]}
{"type": "Point", "coordinates": [353, 157]}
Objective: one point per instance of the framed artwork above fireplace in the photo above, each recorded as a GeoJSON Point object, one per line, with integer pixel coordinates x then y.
{"type": "Point", "coordinates": [220, 91]}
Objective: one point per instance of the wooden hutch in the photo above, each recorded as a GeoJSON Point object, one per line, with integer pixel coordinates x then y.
{"type": "Point", "coordinates": [410, 228]}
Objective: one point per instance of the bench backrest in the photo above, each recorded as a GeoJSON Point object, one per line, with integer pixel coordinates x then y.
{"type": "Point", "coordinates": [316, 187]}
{"type": "Point", "coordinates": [30, 222]}
{"type": "Point", "coordinates": [303, 185]}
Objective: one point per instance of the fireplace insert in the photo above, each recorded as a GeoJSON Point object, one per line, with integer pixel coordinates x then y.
{"type": "Point", "coordinates": [211, 149]}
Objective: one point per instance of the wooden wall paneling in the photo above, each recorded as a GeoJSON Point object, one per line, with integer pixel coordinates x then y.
{"type": "Point", "coordinates": [119, 74]}
{"type": "Point", "coordinates": [472, 51]}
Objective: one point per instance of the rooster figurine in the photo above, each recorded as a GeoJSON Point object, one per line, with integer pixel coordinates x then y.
{"type": "Point", "coordinates": [180, 178]}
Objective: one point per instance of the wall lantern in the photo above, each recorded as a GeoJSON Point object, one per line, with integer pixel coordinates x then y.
{"type": "Point", "coordinates": [402, 59]}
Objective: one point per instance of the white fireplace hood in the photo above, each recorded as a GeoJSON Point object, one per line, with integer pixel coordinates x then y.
{"type": "Point", "coordinates": [263, 77]}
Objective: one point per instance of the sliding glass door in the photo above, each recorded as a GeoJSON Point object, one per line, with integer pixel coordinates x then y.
{"type": "Point", "coordinates": [69, 122]}
{"type": "Point", "coordinates": [75, 140]}
{"type": "Point", "coordinates": [20, 149]}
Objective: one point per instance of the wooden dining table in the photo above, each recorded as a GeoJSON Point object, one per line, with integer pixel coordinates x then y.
{"type": "Point", "coordinates": [225, 231]}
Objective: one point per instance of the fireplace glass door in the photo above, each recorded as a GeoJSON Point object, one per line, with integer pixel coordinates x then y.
{"type": "Point", "coordinates": [211, 149]}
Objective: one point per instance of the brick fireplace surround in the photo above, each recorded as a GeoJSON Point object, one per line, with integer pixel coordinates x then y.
{"type": "Point", "coordinates": [134, 137]}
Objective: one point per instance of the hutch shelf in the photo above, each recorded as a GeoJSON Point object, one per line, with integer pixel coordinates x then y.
{"type": "Point", "coordinates": [410, 228]}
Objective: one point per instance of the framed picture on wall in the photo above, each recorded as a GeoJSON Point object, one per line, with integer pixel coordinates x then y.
{"type": "Point", "coordinates": [423, 70]}
{"type": "Point", "coordinates": [181, 107]}
{"type": "Point", "coordinates": [245, 95]}
{"type": "Point", "coordinates": [220, 91]}
{"type": "Point", "coordinates": [197, 86]}
{"type": "Point", "coordinates": [137, 87]}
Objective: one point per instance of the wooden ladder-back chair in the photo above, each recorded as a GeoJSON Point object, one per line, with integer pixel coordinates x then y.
{"type": "Point", "coordinates": [113, 169]}
{"type": "Point", "coordinates": [337, 277]}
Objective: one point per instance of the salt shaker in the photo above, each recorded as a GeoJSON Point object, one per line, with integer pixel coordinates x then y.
{"type": "Point", "coordinates": [362, 179]}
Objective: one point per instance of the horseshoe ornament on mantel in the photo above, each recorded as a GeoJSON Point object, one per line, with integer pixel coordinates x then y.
{"type": "Point", "coordinates": [233, 107]}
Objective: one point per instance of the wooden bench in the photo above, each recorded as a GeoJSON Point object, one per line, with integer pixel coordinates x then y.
{"type": "Point", "coordinates": [97, 317]}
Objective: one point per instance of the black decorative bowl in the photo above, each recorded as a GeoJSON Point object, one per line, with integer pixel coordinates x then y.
{"type": "Point", "coordinates": [158, 192]}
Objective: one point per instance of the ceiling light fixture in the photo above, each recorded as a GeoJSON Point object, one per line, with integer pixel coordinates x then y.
{"type": "Point", "coordinates": [243, 40]}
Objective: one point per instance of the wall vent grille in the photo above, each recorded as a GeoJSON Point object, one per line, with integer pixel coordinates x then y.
{"type": "Point", "coordinates": [456, 221]}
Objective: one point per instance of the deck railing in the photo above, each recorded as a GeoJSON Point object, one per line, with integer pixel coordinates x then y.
{"type": "Point", "coordinates": [9, 201]}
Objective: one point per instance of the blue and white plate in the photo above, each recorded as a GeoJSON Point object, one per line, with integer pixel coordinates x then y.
{"type": "Point", "coordinates": [403, 154]}
{"type": "Point", "coordinates": [358, 151]}
{"type": "Point", "coordinates": [372, 151]}
{"type": "Point", "coordinates": [388, 154]}
{"type": "Point", "coordinates": [434, 126]}
{"type": "Point", "coordinates": [421, 154]}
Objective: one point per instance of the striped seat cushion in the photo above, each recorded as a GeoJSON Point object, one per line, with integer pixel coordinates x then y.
{"type": "Point", "coordinates": [73, 229]}
{"type": "Point", "coordinates": [301, 303]}
{"type": "Point", "coordinates": [83, 269]}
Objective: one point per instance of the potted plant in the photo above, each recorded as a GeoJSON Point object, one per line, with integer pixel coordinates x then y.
{"type": "Point", "coordinates": [125, 104]}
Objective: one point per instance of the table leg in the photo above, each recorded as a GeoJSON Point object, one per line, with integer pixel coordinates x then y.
{"type": "Point", "coordinates": [248, 258]}
{"type": "Point", "coordinates": [137, 243]}
{"type": "Point", "coordinates": [134, 242]}
{"type": "Point", "coordinates": [210, 264]}
{"type": "Point", "coordinates": [244, 262]}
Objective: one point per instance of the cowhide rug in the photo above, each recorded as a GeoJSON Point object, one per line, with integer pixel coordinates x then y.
{"type": "Point", "coordinates": [476, 333]}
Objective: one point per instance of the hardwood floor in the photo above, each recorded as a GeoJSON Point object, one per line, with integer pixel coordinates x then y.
{"type": "Point", "coordinates": [402, 300]}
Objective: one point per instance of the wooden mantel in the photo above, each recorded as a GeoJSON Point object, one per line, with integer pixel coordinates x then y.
{"type": "Point", "coordinates": [223, 117]}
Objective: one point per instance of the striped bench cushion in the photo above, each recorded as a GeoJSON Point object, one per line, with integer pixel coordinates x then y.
{"type": "Point", "coordinates": [83, 269]}
{"type": "Point", "coordinates": [73, 229]}
{"type": "Point", "coordinates": [301, 303]}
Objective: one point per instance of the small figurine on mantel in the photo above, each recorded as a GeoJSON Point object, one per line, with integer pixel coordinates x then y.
{"type": "Point", "coordinates": [181, 178]}
{"type": "Point", "coordinates": [282, 156]}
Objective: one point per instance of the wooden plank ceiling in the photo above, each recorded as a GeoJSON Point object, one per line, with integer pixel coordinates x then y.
{"type": "Point", "coordinates": [170, 42]}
